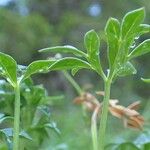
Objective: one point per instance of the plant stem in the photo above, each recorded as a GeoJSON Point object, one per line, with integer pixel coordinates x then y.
{"type": "Point", "coordinates": [104, 114]}
{"type": "Point", "coordinates": [16, 118]}
{"type": "Point", "coordinates": [73, 82]}
{"type": "Point", "coordinates": [94, 129]}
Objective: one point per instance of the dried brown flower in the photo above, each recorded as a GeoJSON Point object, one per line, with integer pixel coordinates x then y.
{"type": "Point", "coordinates": [129, 115]}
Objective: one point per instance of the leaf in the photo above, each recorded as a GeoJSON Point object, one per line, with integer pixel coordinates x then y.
{"type": "Point", "coordinates": [126, 69]}
{"type": "Point", "coordinates": [143, 28]}
{"type": "Point", "coordinates": [64, 49]}
{"type": "Point", "coordinates": [141, 49]}
{"type": "Point", "coordinates": [39, 66]}
{"type": "Point", "coordinates": [131, 22]}
{"type": "Point", "coordinates": [112, 31]}
{"type": "Point", "coordinates": [75, 70]}
{"type": "Point", "coordinates": [8, 132]}
{"type": "Point", "coordinates": [25, 135]}
{"type": "Point", "coordinates": [8, 67]}
{"type": "Point", "coordinates": [127, 146]}
{"type": "Point", "coordinates": [92, 44]}
{"type": "Point", "coordinates": [53, 125]}
{"type": "Point", "coordinates": [5, 118]}
{"type": "Point", "coordinates": [69, 63]}
{"type": "Point", "coordinates": [146, 80]}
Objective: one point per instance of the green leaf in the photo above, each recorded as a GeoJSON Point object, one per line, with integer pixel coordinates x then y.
{"type": "Point", "coordinates": [75, 70]}
{"type": "Point", "coordinates": [38, 66]}
{"type": "Point", "coordinates": [125, 69]}
{"type": "Point", "coordinates": [53, 125]}
{"type": "Point", "coordinates": [25, 135]}
{"type": "Point", "coordinates": [131, 22]}
{"type": "Point", "coordinates": [5, 118]}
{"type": "Point", "coordinates": [64, 49]}
{"type": "Point", "coordinates": [141, 49]}
{"type": "Point", "coordinates": [146, 80]}
{"type": "Point", "coordinates": [92, 44]}
{"type": "Point", "coordinates": [112, 31]}
{"type": "Point", "coordinates": [8, 132]}
{"type": "Point", "coordinates": [69, 63]}
{"type": "Point", "coordinates": [8, 68]}
{"type": "Point", "coordinates": [127, 146]}
{"type": "Point", "coordinates": [143, 28]}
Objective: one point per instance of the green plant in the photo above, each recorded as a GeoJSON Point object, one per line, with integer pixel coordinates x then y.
{"type": "Point", "coordinates": [16, 76]}
{"type": "Point", "coordinates": [35, 114]}
{"type": "Point", "coordinates": [122, 48]}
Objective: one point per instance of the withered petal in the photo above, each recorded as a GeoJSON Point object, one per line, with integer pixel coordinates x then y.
{"type": "Point", "coordinates": [135, 105]}
{"type": "Point", "coordinates": [129, 112]}
{"type": "Point", "coordinates": [117, 111]}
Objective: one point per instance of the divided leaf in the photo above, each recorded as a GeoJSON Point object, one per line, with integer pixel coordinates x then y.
{"type": "Point", "coordinates": [112, 31]}
{"type": "Point", "coordinates": [69, 63]}
{"type": "Point", "coordinates": [141, 49]}
{"type": "Point", "coordinates": [131, 22]}
{"type": "Point", "coordinates": [8, 68]}
{"type": "Point", "coordinates": [39, 66]}
{"type": "Point", "coordinates": [64, 49]}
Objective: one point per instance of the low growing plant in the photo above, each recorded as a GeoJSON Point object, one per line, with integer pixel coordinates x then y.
{"type": "Point", "coordinates": [35, 115]}
{"type": "Point", "coordinates": [17, 76]}
{"type": "Point", "coordinates": [122, 48]}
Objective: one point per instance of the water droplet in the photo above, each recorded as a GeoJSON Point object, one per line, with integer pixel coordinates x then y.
{"type": "Point", "coordinates": [136, 38]}
{"type": "Point", "coordinates": [58, 56]}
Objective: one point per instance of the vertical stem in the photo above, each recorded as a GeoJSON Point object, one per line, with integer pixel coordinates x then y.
{"type": "Point", "coordinates": [104, 114]}
{"type": "Point", "coordinates": [94, 128]}
{"type": "Point", "coordinates": [73, 82]}
{"type": "Point", "coordinates": [16, 118]}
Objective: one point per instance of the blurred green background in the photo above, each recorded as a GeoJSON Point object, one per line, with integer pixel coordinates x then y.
{"type": "Point", "coordinates": [29, 25]}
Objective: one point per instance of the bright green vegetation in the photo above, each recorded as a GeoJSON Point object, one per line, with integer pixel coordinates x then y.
{"type": "Point", "coordinates": [122, 48]}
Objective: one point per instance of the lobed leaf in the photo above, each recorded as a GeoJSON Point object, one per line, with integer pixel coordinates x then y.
{"type": "Point", "coordinates": [8, 68]}
{"type": "Point", "coordinates": [64, 49]}
{"type": "Point", "coordinates": [141, 49]}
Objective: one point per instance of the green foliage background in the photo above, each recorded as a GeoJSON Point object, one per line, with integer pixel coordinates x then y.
{"type": "Point", "coordinates": [50, 23]}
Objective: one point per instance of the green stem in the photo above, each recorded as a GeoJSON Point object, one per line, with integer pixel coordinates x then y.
{"type": "Point", "coordinates": [104, 114]}
{"type": "Point", "coordinates": [73, 82]}
{"type": "Point", "coordinates": [94, 129]}
{"type": "Point", "coordinates": [16, 118]}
